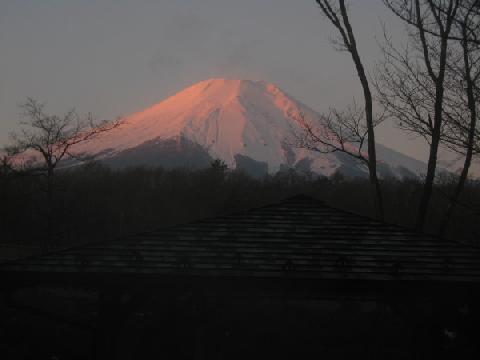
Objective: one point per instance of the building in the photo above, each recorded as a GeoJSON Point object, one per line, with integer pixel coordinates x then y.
{"type": "Point", "coordinates": [296, 279]}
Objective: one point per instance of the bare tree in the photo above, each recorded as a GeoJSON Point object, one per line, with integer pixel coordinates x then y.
{"type": "Point", "coordinates": [411, 83]}
{"type": "Point", "coordinates": [336, 12]}
{"type": "Point", "coordinates": [463, 134]}
{"type": "Point", "coordinates": [5, 164]}
{"type": "Point", "coordinates": [338, 131]}
{"type": "Point", "coordinates": [52, 139]}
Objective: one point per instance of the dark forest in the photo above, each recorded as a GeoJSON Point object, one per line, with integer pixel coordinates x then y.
{"type": "Point", "coordinates": [93, 202]}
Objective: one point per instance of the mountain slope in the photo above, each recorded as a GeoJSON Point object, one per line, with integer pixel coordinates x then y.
{"type": "Point", "coordinates": [235, 120]}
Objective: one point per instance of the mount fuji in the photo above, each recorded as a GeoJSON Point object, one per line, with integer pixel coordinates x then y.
{"type": "Point", "coordinates": [244, 123]}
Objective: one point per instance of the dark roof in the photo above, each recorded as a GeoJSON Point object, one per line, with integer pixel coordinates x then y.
{"type": "Point", "coordinates": [299, 237]}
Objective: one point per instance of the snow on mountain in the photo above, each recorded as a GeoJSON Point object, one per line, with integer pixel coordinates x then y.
{"type": "Point", "coordinates": [238, 121]}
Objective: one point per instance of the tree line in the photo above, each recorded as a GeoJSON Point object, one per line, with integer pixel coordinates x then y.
{"type": "Point", "coordinates": [93, 202]}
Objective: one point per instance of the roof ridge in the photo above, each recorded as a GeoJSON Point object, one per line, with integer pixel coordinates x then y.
{"type": "Point", "coordinates": [294, 199]}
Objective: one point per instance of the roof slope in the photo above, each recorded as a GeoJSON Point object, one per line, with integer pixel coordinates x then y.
{"type": "Point", "coordinates": [299, 237]}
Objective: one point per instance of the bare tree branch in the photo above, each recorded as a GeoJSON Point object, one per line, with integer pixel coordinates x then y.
{"type": "Point", "coordinates": [337, 14]}
{"type": "Point", "coordinates": [338, 131]}
{"type": "Point", "coordinates": [52, 138]}
{"type": "Point", "coordinates": [413, 84]}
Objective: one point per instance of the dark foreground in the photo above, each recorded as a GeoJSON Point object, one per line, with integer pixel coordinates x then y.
{"type": "Point", "coordinates": [295, 279]}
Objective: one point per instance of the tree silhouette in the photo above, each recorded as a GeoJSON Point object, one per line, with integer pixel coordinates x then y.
{"type": "Point", "coordinates": [50, 139]}
{"type": "Point", "coordinates": [337, 14]}
{"type": "Point", "coordinates": [412, 83]}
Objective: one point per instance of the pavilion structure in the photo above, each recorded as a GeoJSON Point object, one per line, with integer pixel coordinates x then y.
{"type": "Point", "coordinates": [295, 279]}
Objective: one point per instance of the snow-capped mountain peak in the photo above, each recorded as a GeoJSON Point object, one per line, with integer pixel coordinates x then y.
{"type": "Point", "coordinates": [234, 120]}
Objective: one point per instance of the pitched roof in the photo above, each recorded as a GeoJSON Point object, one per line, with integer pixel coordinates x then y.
{"type": "Point", "coordinates": [299, 237]}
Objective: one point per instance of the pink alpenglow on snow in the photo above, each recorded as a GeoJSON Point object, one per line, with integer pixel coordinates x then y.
{"type": "Point", "coordinates": [227, 117]}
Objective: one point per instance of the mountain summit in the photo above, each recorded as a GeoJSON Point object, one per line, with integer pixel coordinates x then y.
{"type": "Point", "coordinates": [245, 123]}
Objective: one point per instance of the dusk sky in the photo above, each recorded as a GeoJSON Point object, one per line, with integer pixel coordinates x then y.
{"type": "Point", "coordinates": [115, 57]}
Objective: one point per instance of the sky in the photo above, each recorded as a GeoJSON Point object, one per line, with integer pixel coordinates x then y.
{"type": "Point", "coordinates": [115, 57]}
